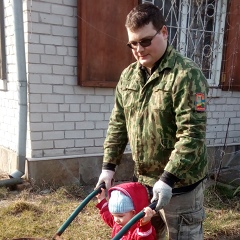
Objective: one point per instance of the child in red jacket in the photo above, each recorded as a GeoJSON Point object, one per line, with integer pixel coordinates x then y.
{"type": "Point", "coordinates": [125, 201]}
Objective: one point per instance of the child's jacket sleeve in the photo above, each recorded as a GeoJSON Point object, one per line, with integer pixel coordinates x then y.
{"type": "Point", "coordinates": [106, 215]}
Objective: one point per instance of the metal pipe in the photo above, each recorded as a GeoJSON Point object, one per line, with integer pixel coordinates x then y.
{"type": "Point", "coordinates": [10, 182]}
{"type": "Point", "coordinates": [22, 87]}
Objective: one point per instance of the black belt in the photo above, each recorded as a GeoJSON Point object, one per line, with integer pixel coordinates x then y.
{"type": "Point", "coordinates": [175, 191]}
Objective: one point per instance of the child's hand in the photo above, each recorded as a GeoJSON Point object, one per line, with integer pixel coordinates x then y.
{"type": "Point", "coordinates": [148, 215]}
{"type": "Point", "coordinates": [101, 195]}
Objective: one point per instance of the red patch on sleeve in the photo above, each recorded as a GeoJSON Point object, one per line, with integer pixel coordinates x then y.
{"type": "Point", "coordinates": [200, 102]}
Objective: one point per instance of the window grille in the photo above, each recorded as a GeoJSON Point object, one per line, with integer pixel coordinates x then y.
{"type": "Point", "coordinates": [196, 29]}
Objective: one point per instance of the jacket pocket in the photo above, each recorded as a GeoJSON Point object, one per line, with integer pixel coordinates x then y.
{"type": "Point", "coordinates": [161, 99]}
{"type": "Point", "coordinates": [130, 97]}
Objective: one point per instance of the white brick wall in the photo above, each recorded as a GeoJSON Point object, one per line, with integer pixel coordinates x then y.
{"type": "Point", "coordinates": [223, 107]}
{"type": "Point", "coordinates": [64, 118]}
{"type": "Point", "coordinates": [69, 116]}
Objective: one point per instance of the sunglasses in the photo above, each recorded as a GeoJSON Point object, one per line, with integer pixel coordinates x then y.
{"type": "Point", "coordinates": [145, 42]}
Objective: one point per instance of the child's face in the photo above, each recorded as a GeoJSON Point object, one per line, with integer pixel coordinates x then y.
{"type": "Point", "coordinates": [123, 218]}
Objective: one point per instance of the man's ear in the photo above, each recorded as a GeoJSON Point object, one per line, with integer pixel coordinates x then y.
{"type": "Point", "coordinates": [165, 31]}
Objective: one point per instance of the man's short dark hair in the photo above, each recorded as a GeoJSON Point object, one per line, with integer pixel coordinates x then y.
{"type": "Point", "coordinates": [142, 15]}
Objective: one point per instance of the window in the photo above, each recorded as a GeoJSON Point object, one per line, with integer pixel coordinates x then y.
{"type": "Point", "coordinates": [196, 29]}
{"type": "Point", "coordinates": [102, 38]}
{"type": "Point", "coordinates": [2, 45]}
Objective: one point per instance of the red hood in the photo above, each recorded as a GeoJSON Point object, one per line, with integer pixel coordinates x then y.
{"type": "Point", "coordinates": [136, 191]}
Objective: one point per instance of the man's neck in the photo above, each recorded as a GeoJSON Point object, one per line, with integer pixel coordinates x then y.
{"type": "Point", "coordinates": [155, 66]}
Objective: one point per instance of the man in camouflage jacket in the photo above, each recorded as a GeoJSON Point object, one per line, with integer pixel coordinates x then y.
{"type": "Point", "coordinates": [160, 109]}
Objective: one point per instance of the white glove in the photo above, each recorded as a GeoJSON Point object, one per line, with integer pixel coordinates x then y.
{"type": "Point", "coordinates": [162, 193]}
{"type": "Point", "coordinates": [107, 177]}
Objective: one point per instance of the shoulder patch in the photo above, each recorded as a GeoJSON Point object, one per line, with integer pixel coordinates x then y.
{"type": "Point", "coordinates": [200, 102]}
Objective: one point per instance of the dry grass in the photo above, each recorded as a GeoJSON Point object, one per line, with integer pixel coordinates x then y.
{"type": "Point", "coordinates": [38, 213]}
{"type": "Point", "coordinates": [223, 213]}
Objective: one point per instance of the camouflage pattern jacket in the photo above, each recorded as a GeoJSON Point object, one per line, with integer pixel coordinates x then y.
{"type": "Point", "coordinates": [164, 121]}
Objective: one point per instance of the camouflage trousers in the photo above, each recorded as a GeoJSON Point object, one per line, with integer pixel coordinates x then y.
{"type": "Point", "coordinates": [182, 218]}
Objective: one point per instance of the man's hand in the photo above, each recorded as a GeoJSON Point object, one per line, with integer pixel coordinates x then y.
{"type": "Point", "coordinates": [162, 193]}
{"type": "Point", "coordinates": [107, 177]}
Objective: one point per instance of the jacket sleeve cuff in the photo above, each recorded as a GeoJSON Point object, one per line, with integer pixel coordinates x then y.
{"type": "Point", "coordinates": [145, 226]}
{"type": "Point", "coordinates": [109, 166]}
{"type": "Point", "coordinates": [169, 178]}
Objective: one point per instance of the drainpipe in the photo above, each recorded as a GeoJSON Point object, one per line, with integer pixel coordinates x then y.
{"type": "Point", "coordinates": [22, 87]}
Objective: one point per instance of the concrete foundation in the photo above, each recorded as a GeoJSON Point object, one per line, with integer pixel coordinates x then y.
{"type": "Point", "coordinates": [83, 170]}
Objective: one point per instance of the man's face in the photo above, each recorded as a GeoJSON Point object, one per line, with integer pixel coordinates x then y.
{"type": "Point", "coordinates": [149, 55]}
